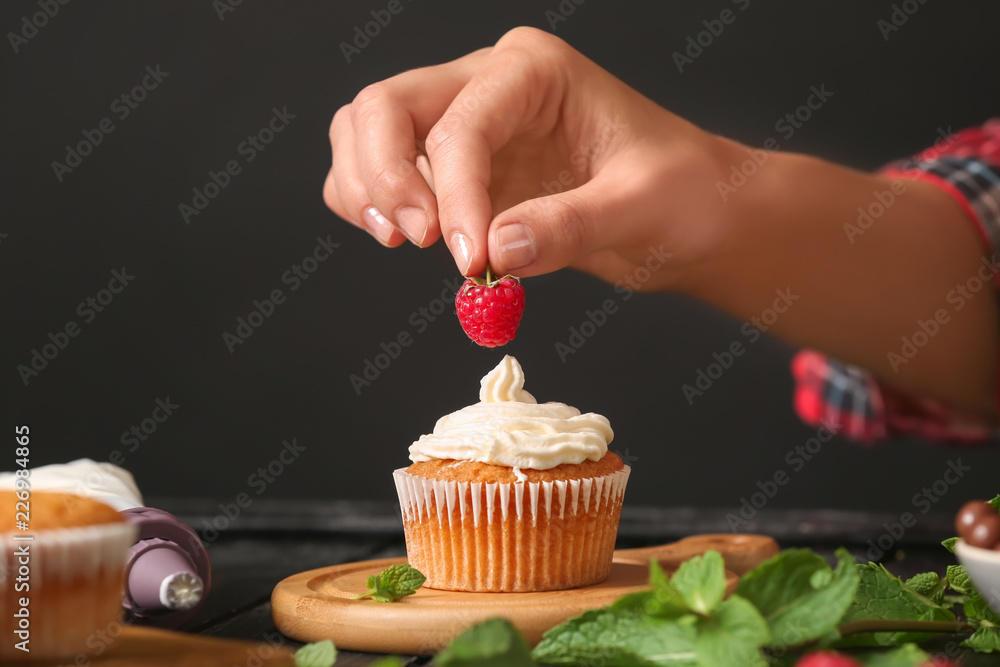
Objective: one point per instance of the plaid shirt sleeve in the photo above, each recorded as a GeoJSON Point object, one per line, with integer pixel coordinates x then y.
{"type": "Point", "coordinates": [966, 165]}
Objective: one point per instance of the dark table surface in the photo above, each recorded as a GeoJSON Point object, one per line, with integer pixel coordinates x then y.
{"type": "Point", "coordinates": [272, 540]}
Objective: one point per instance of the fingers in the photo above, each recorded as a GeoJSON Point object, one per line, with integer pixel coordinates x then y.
{"type": "Point", "coordinates": [375, 182]}
{"type": "Point", "coordinates": [550, 233]}
{"type": "Point", "coordinates": [346, 195]}
{"type": "Point", "coordinates": [513, 93]}
{"type": "Point", "coordinates": [386, 151]}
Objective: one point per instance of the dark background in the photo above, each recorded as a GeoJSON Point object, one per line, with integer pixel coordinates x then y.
{"type": "Point", "coordinates": [162, 336]}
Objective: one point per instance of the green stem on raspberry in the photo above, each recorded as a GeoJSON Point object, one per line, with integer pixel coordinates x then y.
{"type": "Point", "coordinates": [489, 274]}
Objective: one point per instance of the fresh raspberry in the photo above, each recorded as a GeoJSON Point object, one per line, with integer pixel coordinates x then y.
{"type": "Point", "coordinates": [827, 659]}
{"type": "Point", "coordinates": [490, 309]}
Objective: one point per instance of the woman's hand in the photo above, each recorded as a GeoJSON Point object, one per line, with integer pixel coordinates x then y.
{"type": "Point", "coordinates": [540, 158]}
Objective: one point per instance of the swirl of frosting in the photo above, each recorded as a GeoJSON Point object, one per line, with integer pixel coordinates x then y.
{"type": "Point", "coordinates": [509, 427]}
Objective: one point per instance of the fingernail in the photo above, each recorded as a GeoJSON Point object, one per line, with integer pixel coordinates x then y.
{"type": "Point", "coordinates": [516, 243]}
{"type": "Point", "coordinates": [459, 243]}
{"type": "Point", "coordinates": [377, 224]}
{"type": "Point", "coordinates": [413, 222]}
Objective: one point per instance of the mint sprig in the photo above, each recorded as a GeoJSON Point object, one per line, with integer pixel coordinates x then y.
{"type": "Point", "coordinates": [683, 620]}
{"type": "Point", "coordinates": [781, 610]}
{"type": "Point", "coordinates": [786, 607]}
{"type": "Point", "coordinates": [393, 583]}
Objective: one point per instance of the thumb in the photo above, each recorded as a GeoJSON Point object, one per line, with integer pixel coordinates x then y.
{"type": "Point", "coordinates": [549, 233]}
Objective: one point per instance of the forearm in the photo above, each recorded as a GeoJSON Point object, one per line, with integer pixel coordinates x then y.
{"type": "Point", "coordinates": [859, 287]}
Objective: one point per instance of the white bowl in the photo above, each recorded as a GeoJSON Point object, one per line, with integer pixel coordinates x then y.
{"type": "Point", "coordinates": [983, 566]}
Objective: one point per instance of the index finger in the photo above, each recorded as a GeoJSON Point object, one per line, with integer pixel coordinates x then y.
{"type": "Point", "coordinates": [513, 89]}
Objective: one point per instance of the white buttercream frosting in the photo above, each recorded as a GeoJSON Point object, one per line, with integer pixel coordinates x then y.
{"type": "Point", "coordinates": [105, 481]}
{"type": "Point", "coordinates": [509, 427]}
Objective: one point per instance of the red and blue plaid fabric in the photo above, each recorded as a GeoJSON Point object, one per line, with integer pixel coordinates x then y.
{"type": "Point", "coordinates": [966, 165]}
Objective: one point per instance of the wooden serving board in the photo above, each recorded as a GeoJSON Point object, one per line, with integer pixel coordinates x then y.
{"type": "Point", "coordinates": [317, 605]}
{"type": "Point", "coordinates": [152, 647]}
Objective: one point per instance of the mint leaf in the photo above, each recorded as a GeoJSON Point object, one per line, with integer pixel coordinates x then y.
{"type": "Point", "coordinates": [984, 640]}
{"type": "Point", "coordinates": [931, 586]}
{"type": "Point", "coordinates": [925, 584]}
{"type": "Point", "coordinates": [701, 582]}
{"type": "Point", "coordinates": [667, 599]}
{"type": "Point", "coordinates": [388, 661]}
{"type": "Point", "coordinates": [492, 643]}
{"type": "Point", "coordinates": [741, 620]}
{"type": "Point", "coordinates": [394, 582]}
{"type": "Point", "coordinates": [657, 577]}
{"type": "Point", "coordinates": [640, 602]}
{"type": "Point", "coordinates": [881, 596]}
{"type": "Point", "coordinates": [320, 654]}
{"type": "Point", "coordinates": [949, 544]}
{"type": "Point", "coordinates": [973, 603]}
{"type": "Point", "coordinates": [976, 607]}
{"type": "Point", "coordinates": [664, 601]}
{"type": "Point", "coordinates": [959, 579]}
{"type": "Point", "coordinates": [907, 655]}
{"type": "Point", "coordinates": [733, 635]}
{"type": "Point", "coordinates": [799, 596]}
{"type": "Point", "coordinates": [619, 638]}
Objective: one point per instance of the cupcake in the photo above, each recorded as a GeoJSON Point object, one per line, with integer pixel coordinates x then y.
{"type": "Point", "coordinates": [512, 495]}
{"type": "Point", "coordinates": [61, 579]}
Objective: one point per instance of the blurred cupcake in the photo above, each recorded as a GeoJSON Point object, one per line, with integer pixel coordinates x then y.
{"type": "Point", "coordinates": [509, 495]}
{"type": "Point", "coordinates": [60, 589]}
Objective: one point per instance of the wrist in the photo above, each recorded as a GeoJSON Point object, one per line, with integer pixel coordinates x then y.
{"type": "Point", "coordinates": [695, 205]}
{"type": "Point", "coordinates": [867, 258]}
{"type": "Point", "coordinates": [744, 187]}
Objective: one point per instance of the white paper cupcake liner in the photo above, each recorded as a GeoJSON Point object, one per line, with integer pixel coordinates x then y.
{"type": "Point", "coordinates": [75, 581]}
{"type": "Point", "coordinates": [518, 536]}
